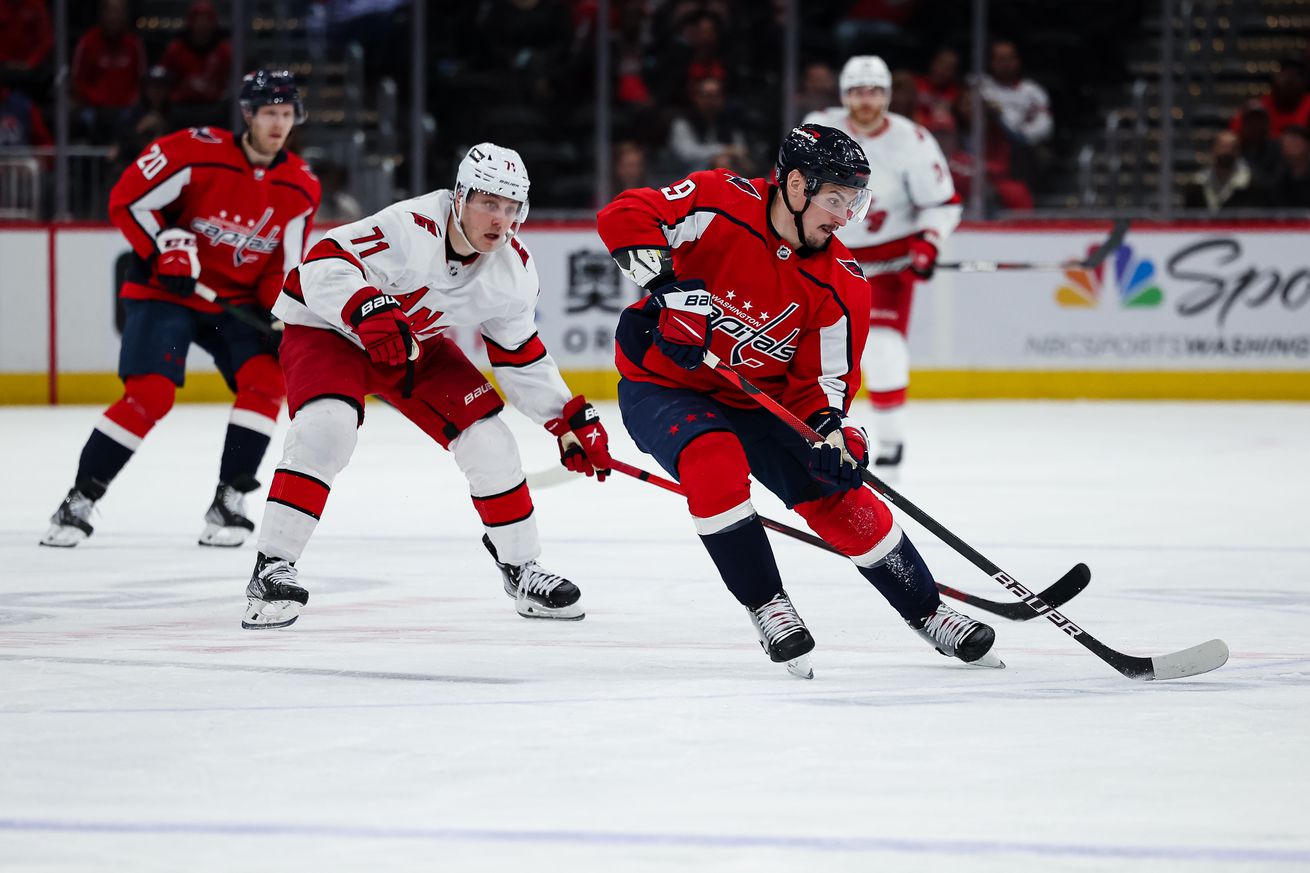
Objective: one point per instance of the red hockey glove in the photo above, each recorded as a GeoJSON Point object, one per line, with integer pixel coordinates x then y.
{"type": "Point", "coordinates": [380, 325]}
{"type": "Point", "coordinates": [844, 451]}
{"type": "Point", "coordinates": [177, 265]}
{"type": "Point", "coordinates": [683, 332]}
{"type": "Point", "coordinates": [923, 254]}
{"type": "Point", "coordinates": [584, 447]}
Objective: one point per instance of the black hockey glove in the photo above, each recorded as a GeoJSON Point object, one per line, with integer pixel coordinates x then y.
{"type": "Point", "coordinates": [844, 452]}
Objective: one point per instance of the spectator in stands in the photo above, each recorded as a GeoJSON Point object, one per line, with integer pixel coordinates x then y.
{"type": "Point", "coordinates": [108, 65]}
{"type": "Point", "coordinates": [628, 160]}
{"type": "Point", "coordinates": [1291, 189]}
{"type": "Point", "coordinates": [147, 120]}
{"type": "Point", "coordinates": [1226, 183]}
{"type": "Point", "coordinates": [1287, 101]}
{"type": "Point", "coordinates": [1004, 189]}
{"type": "Point", "coordinates": [25, 34]}
{"type": "Point", "coordinates": [1025, 108]}
{"type": "Point", "coordinates": [936, 91]}
{"type": "Point", "coordinates": [199, 61]}
{"type": "Point", "coordinates": [1260, 151]}
{"type": "Point", "coordinates": [21, 123]}
{"type": "Point", "coordinates": [696, 54]}
{"type": "Point", "coordinates": [818, 89]}
{"type": "Point", "coordinates": [701, 135]}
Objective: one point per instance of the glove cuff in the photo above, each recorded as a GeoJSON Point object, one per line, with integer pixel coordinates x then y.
{"type": "Point", "coordinates": [826, 420]}
{"type": "Point", "coordinates": [672, 293]}
{"type": "Point", "coordinates": [366, 302]}
{"type": "Point", "coordinates": [577, 413]}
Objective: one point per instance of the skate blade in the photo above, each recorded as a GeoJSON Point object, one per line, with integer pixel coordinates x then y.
{"type": "Point", "coordinates": [801, 667]}
{"type": "Point", "coordinates": [564, 613]}
{"type": "Point", "coordinates": [988, 660]}
{"type": "Point", "coordinates": [270, 615]}
{"type": "Point", "coordinates": [63, 536]}
{"type": "Point", "coordinates": [223, 537]}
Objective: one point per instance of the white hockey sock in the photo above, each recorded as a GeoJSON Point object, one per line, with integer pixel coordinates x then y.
{"type": "Point", "coordinates": [489, 458]}
{"type": "Point", "coordinates": [321, 440]}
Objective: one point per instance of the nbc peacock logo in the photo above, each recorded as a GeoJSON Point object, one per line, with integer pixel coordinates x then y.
{"type": "Point", "coordinates": [1133, 276]}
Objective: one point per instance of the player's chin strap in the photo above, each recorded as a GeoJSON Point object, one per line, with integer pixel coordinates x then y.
{"type": "Point", "coordinates": [804, 249]}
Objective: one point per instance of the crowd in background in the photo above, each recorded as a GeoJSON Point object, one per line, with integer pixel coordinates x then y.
{"type": "Point", "coordinates": [695, 84]}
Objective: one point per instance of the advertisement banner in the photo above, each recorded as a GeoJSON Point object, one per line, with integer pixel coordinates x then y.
{"type": "Point", "coordinates": [1174, 311]}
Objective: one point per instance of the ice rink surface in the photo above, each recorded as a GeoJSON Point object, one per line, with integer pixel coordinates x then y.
{"type": "Point", "coordinates": [412, 721]}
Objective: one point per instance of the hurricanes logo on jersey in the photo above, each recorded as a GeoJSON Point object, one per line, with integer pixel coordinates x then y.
{"type": "Point", "coordinates": [248, 241]}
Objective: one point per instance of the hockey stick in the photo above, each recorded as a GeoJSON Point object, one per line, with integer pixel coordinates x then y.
{"type": "Point", "coordinates": [1093, 260]}
{"type": "Point", "coordinates": [1064, 589]}
{"type": "Point", "coordinates": [204, 292]}
{"type": "Point", "coordinates": [1188, 662]}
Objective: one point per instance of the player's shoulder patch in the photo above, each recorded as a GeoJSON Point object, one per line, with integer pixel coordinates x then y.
{"type": "Point", "coordinates": [741, 184]}
{"type": "Point", "coordinates": [852, 266]}
{"type": "Point", "coordinates": [206, 135]}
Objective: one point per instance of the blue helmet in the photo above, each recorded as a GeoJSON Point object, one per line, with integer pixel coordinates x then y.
{"type": "Point", "coordinates": [270, 87]}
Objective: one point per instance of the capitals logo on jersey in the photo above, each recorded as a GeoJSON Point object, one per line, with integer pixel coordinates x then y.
{"type": "Point", "coordinates": [753, 332]}
{"type": "Point", "coordinates": [247, 241]}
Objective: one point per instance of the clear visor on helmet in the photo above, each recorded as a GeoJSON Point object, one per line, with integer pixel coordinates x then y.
{"type": "Point", "coordinates": [496, 206]}
{"type": "Point", "coordinates": [840, 201]}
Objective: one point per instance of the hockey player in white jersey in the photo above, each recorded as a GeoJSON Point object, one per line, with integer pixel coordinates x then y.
{"type": "Point", "coordinates": [365, 313]}
{"type": "Point", "coordinates": [913, 209]}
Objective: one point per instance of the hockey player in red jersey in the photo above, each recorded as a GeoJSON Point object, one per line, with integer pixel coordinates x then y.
{"type": "Point", "coordinates": [229, 212]}
{"type": "Point", "coordinates": [913, 208]}
{"type": "Point", "coordinates": [748, 269]}
{"type": "Point", "coordinates": [365, 314]}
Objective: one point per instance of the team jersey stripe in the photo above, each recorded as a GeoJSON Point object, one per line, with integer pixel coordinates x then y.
{"type": "Point", "coordinates": [145, 209]}
{"type": "Point", "coordinates": [291, 286]}
{"type": "Point", "coordinates": [507, 507]}
{"type": "Point", "coordinates": [328, 248]}
{"type": "Point", "coordinates": [531, 351]}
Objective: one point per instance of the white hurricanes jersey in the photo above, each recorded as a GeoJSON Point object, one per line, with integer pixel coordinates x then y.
{"type": "Point", "coordinates": [909, 181]}
{"type": "Point", "coordinates": [402, 251]}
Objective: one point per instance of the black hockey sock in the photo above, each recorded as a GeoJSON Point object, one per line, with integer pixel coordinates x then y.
{"type": "Point", "coordinates": [905, 580]}
{"type": "Point", "coordinates": [745, 561]}
{"type": "Point", "coordinates": [242, 451]}
{"type": "Point", "coordinates": [102, 458]}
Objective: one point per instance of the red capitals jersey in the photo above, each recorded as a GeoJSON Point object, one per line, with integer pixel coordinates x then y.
{"type": "Point", "coordinates": [250, 222]}
{"type": "Point", "coordinates": [783, 319]}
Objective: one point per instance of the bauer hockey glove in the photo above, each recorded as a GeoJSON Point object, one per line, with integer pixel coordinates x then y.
{"type": "Point", "coordinates": [584, 447]}
{"type": "Point", "coordinates": [923, 254]}
{"type": "Point", "coordinates": [380, 324]}
{"type": "Point", "coordinates": [177, 265]}
{"type": "Point", "coordinates": [844, 451]}
{"type": "Point", "coordinates": [683, 331]}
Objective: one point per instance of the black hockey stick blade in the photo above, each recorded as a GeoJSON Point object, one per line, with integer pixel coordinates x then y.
{"type": "Point", "coordinates": [1064, 589]}
{"type": "Point", "coordinates": [1111, 244]}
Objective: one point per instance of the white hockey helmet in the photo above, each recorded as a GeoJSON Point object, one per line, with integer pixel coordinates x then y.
{"type": "Point", "coordinates": [865, 71]}
{"type": "Point", "coordinates": [492, 169]}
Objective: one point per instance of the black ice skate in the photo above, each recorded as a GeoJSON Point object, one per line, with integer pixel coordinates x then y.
{"type": "Point", "coordinates": [226, 525]}
{"type": "Point", "coordinates": [71, 522]}
{"type": "Point", "coordinates": [273, 599]}
{"type": "Point", "coordinates": [537, 592]}
{"type": "Point", "coordinates": [783, 635]}
{"type": "Point", "coordinates": [958, 636]}
{"type": "Point", "coordinates": [889, 455]}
